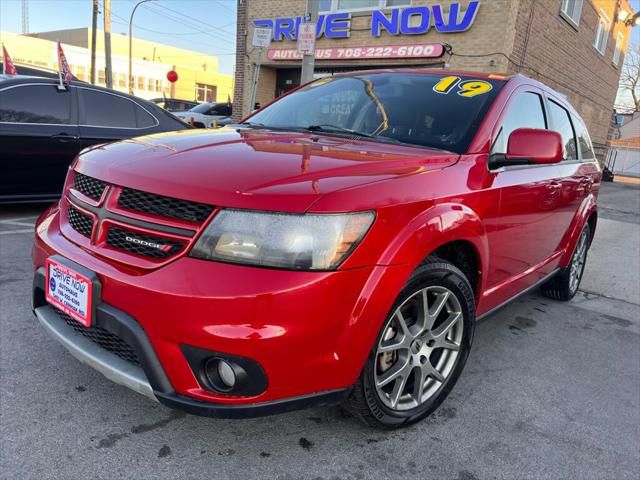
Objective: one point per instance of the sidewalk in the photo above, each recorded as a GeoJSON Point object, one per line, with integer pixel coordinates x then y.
{"type": "Point", "coordinates": [623, 179]}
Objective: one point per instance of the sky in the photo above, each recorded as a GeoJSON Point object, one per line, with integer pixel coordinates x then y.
{"type": "Point", "coordinates": [207, 26]}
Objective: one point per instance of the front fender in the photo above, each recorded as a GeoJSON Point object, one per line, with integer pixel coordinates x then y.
{"type": "Point", "coordinates": [429, 230]}
{"type": "Point", "coordinates": [587, 208]}
{"type": "Point", "coordinates": [440, 224]}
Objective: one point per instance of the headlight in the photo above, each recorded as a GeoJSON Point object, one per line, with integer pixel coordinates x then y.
{"type": "Point", "coordinates": [296, 242]}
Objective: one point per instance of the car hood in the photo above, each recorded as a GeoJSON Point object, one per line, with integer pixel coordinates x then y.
{"type": "Point", "coordinates": [256, 169]}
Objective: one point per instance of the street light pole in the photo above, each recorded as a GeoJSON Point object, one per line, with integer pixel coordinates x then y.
{"type": "Point", "coordinates": [131, 44]}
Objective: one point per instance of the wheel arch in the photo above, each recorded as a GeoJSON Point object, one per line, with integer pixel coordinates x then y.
{"type": "Point", "coordinates": [464, 255]}
{"type": "Point", "coordinates": [587, 213]}
{"type": "Point", "coordinates": [451, 231]}
{"type": "Point", "coordinates": [436, 230]}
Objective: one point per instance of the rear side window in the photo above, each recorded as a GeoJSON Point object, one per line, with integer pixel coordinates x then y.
{"type": "Point", "coordinates": [586, 148]}
{"type": "Point", "coordinates": [561, 123]}
{"type": "Point", "coordinates": [101, 109]}
{"type": "Point", "coordinates": [143, 118]}
{"type": "Point", "coordinates": [35, 104]}
{"type": "Point", "coordinates": [525, 111]}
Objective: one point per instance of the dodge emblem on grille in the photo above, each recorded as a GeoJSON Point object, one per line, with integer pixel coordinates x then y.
{"type": "Point", "coordinates": [146, 243]}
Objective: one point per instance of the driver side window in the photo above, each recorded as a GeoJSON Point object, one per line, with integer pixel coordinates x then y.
{"type": "Point", "coordinates": [524, 111]}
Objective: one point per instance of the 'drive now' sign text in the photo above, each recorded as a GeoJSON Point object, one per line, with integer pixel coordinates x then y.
{"type": "Point", "coordinates": [396, 21]}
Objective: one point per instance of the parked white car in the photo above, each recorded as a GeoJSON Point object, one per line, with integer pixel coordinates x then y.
{"type": "Point", "coordinates": [207, 115]}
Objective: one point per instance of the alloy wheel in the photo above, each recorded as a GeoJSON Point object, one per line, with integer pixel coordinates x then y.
{"type": "Point", "coordinates": [419, 347]}
{"type": "Point", "coordinates": [577, 262]}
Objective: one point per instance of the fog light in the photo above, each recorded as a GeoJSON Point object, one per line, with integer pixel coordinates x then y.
{"type": "Point", "coordinates": [226, 374]}
{"type": "Point", "coordinates": [220, 374]}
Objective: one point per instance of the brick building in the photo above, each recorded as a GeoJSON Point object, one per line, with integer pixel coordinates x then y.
{"type": "Point", "coordinates": [575, 46]}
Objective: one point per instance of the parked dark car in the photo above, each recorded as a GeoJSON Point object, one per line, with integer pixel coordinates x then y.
{"type": "Point", "coordinates": [174, 104]}
{"type": "Point", "coordinates": [43, 128]}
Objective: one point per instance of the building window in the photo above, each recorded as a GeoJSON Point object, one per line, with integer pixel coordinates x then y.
{"type": "Point", "coordinates": [140, 83]}
{"type": "Point", "coordinates": [571, 10]}
{"type": "Point", "coordinates": [206, 93]}
{"type": "Point", "coordinates": [602, 33]}
{"type": "Point", "coordinates": [618, 52]}
{"type": "Point", "coordinates": [101, 78]}
{"type": "Point", "coordinates": [122, 80]}
{"type": "Point", "coordinates": [158, 86]}
{"type": "Point", "coordinates": [355, 5]}
{"type": "Point", "coordinates": [150, 84]}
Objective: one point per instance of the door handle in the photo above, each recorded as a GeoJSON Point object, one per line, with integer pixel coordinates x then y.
{"type": "Point", "coordinates": [65, 137]}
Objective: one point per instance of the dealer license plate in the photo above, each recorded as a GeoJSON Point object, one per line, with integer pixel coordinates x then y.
{"type": "Point", "coordinates": [69, 291]}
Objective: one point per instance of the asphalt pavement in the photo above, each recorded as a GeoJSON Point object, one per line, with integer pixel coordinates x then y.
{"type": "Point", "coordinates": [551, 390]}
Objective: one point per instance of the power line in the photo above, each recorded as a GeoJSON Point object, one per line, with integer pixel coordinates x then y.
{"type": "Point", "coordinates": [191, 22]}
{"type": "Point", "coordinates": [188, 24]}
{"type": "Point", "coordinates": [124, 21]}
{"type": "Point", "coordinates": [197, 21]}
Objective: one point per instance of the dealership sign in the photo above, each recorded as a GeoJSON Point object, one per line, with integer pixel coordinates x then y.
{"type": "Point", "coordinates": [415, 20]}
{"type": "Point", "coordinates": [435, 50]}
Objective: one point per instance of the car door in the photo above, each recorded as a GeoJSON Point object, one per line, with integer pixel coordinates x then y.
{"type": "Point", "coordinates": [527, 231]}
{"type": "Point", "coordinates": [578, 168]}
{"type": "Point", "coordinates": [107, 117]}
{"type": "Point", "coordinates": [39, 139]}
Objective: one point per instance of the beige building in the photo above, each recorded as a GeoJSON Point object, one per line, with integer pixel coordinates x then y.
{"type": "Point", "coordinates": [575, 46]}
{"type": "Point", "coordinates": [198, 74]}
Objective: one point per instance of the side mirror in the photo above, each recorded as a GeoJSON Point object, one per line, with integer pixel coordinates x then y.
{"type": "Point", "coordinates": [530, 146]}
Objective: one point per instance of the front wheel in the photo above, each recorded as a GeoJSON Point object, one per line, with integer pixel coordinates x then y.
{"type": "Point", "coordinates": [420, 350]}
{"type": "Point", "coordinates": [564, 285]}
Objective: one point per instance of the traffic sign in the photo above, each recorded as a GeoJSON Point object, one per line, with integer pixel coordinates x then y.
{"type": "Point", "coordinates": [307, 38]}
{"type": "Point", "coordinates": [262, 37]}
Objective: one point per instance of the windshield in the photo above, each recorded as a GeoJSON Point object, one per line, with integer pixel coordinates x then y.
{"type": "Point", "coordinates": [433, 110]}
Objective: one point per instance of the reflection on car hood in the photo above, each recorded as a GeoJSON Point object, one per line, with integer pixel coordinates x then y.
{"type": "Point", "coordinates": [260, 169]}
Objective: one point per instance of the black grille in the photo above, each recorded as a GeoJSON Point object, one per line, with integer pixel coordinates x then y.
{"type": "Point", "coordinates": [140, 244]}
{"type": "Point", "coordinates": [80, 222]}
{"type": "Point", "coordinates": [163, 206]}
{"type": "Point", "coordinates": [91, 187]}
{"type": "Point", "coordinates": [103, 338]}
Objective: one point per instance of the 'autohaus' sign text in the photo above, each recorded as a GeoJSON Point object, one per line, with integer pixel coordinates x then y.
{"type": "Point", "coordinates": [396, 21]}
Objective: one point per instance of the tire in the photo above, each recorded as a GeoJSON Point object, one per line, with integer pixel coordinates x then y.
{"type": "Point", "coordinates": [443, 338]}
{"type": "Point", "coordinates": [564, 285]}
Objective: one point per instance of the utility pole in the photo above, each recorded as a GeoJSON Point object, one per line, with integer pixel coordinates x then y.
{"type": "Point", "coordinates": [94, 27]}
{"type": "Point", "coordinates": [308, 61]}
{"type": "Point", "coordinates": [131, 44]}
{"type": "Point", "coordinates": [107, 43]}
{"type": "Point", "coordinates": [25, 16]}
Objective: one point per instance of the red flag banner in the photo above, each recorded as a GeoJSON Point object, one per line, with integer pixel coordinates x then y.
{"type": "Point", "coordinates": [63, 66]}
{"type": "Point", "coordinates": [8, 68]}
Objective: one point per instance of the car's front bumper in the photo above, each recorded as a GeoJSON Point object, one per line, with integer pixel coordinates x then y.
{"type": "Point", "coordinates": [310, 332]}
{"type": "Point", "coordinates": [140, 377]}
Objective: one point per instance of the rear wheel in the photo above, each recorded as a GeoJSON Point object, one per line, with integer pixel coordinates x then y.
{"type": "Point", "coordinates": [420, 350]}
{"type": "Point", "coordinates": [564, 285]}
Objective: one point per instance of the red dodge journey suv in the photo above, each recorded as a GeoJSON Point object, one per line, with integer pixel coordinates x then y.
{"type": "Point", "coordinates": [337, 246]}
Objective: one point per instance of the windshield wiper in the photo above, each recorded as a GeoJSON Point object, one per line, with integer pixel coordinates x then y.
{"type": "Point", "coordinates": [253, 124]}
{"type": "Point", "coordinates": [328, 128]}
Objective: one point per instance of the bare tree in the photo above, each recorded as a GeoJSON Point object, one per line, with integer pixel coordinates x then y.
{"type": "Point", "coordinates": [630, 78]}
